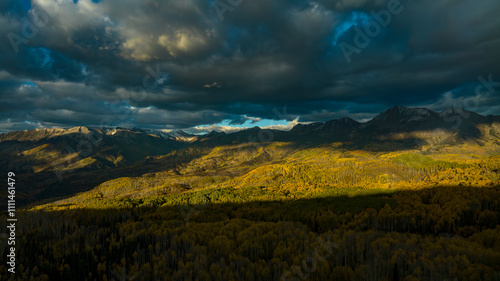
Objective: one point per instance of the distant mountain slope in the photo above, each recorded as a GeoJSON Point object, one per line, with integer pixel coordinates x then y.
{"type": "Point", "coordinates": [178, 135]}
{"type": "Point", "coordinates": [336, 126]}
{"type": "Point", "coordinates": [457, 124]}
{"type": "Point", "coordinates": [61, 161]}
{"type": "Point", "coordinates": [400, 118]}
{"type": "Point", "coordinates": [56, 162]}
{"type": "Point", "coordinates": [81, 147]}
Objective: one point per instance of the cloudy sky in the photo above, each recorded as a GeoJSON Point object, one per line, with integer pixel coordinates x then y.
{"type": "Point", "coordinates": [208, 64]}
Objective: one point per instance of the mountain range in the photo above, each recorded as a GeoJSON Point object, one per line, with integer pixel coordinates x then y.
{"type": "Point", "coordinates": [59, 162]}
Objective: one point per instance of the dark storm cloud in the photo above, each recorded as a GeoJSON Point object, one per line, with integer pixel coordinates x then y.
{"type": "Point", "coordinates": [176, 64]}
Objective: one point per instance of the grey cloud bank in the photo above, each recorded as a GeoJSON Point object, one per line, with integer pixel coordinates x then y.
{"type": "Point", "coordinates": [176, 64]}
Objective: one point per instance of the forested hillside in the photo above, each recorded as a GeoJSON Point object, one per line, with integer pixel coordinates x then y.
{"type": "Point", "coordinates": [405, 205]}
{"type": "Point", "coordinates": [272, 211]}
{"type": "Point", "coordinates": [436, 233]}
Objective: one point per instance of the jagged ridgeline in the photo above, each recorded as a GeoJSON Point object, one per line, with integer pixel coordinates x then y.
{"type": "Point", "coordinates": [412, 194]}
{"type": "Point", "coordinates": [60, 162]}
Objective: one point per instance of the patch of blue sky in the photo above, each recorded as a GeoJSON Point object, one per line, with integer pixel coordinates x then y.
{"type": "Point", "coordinates": [233, 36]}
{"type": "Point", "coordinates": [250, 124]}
{"type": "Point", "coordinates": [83, 70]}
{"type": "Point", "coordinates": [118, 105]}
{"type": "Point", "coordinates": [42, 57]}
{"type": "Point", "coordinates": [29, 83]}
{"type": "Point", "coordinates": [355, 18]}
{"type": "Point", "coordinates": [26, 5]}
{"type": "Point", "coordinates": [93, 1]}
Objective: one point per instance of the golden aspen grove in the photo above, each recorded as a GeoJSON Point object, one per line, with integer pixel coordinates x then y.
{"type": "Point", "coordinates": [278, 211]}
{"type": "Point", "coordinates": [250, 140]}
